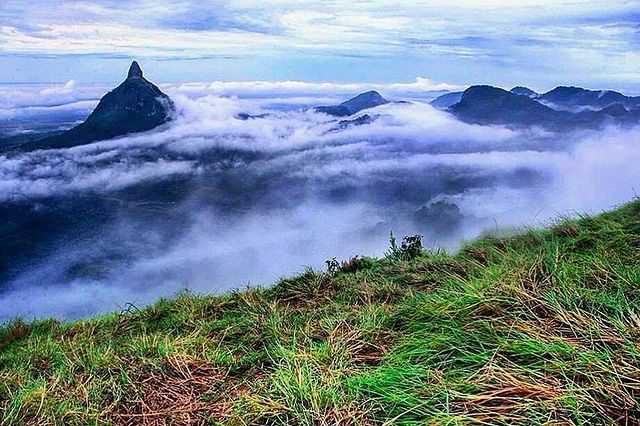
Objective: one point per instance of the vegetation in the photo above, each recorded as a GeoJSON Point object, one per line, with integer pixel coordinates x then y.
{"type": "Point", "coordinates": [538, 328]}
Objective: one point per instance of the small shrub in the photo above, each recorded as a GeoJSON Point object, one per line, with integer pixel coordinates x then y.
{"type": "Point", "coordinates": [410, 248]}
{"type": "Point", "coordinates": [354, 264]}
{"type": "Point", "coordinates": [333, 266]}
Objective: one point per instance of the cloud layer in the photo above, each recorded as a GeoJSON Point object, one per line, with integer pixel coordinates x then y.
{"type": "Point", "coordinates": [212, 202]}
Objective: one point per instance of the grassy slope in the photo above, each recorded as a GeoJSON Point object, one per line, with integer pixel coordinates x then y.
{"type": "Point", "coordinates": [539, 328]}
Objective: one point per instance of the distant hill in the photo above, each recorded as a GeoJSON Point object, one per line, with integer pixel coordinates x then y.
{"type": "Point", "coordinates": [447, 100]}
{"type": "Point", "coordinates": [136, 105]}
{"type": "Point", "coordinates": [576, 98]}
{"type": "Point", "coordinates": [492, 105]}
{"type": "Point", "coordinates": [354, 105]}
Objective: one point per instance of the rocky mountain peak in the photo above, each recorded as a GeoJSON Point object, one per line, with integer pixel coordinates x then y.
{"type": "Point", "coordinates": [136, 105]}
{"type": "Point", "coordinates": [134, 70]}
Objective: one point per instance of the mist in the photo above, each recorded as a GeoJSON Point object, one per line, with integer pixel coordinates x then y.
{"type": "Point", "coordinates": [212, 203]}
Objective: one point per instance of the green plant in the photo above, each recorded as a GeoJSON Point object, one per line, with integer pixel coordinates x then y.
{"type": "Point", "coordinates": [410, 247]}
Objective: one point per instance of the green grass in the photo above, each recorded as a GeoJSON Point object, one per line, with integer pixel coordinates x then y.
{"type": "Point", "coordinates": [538, 328]}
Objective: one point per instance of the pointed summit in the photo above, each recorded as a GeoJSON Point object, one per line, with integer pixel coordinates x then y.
{"type": "Point", "coordinates": [134, 70]}
{"type": "Point", "coordinates": [136, 105]}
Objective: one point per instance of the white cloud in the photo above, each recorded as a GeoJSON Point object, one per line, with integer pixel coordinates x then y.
{"type": "Point", "coordinates": [421, 86]}
{"type": "Point", "coordinates": [43, 95]}
{"type": "Point", "coordinates": [532, 36]}
{"type": "Point", "coordinates": [306, 192]}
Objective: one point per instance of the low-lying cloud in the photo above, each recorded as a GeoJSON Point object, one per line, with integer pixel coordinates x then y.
{"type": "Point", "coordinates": [211, 202]}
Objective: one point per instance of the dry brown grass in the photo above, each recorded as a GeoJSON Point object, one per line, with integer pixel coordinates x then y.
{"type": "Point", "coordinates": [186, 392]}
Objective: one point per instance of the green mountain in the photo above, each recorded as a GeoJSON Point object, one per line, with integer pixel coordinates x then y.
{"type": "Point", "coordinates": [536, 328]}
{"type": "Point", "coordinates": [136, 105]}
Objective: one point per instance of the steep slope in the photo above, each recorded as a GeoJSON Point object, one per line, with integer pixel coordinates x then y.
{"type": "Point", "coordinates": [354, 105]}
{"type": "Point", "coordinates": [136, 105]}
{"type": "Point", "coordinates": [537, 328]}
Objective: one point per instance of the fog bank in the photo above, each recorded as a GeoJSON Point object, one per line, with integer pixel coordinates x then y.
{"type": "Point", "coordinates": [211, 202]}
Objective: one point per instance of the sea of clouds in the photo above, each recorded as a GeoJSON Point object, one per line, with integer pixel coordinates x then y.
{"type": "Point", "coordinates": [253, 200]}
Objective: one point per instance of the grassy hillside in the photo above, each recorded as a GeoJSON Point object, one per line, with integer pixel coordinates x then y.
{"type": "Point", "coordinates": [539, 328]}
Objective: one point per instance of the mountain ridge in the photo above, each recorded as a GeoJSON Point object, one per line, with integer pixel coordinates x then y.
{"type": "Point", "coordinates": [561, 98]}
{"type": "Point", "coordinates": [487, 105]}
{"type": "Point", "coordinates": [572, 97]}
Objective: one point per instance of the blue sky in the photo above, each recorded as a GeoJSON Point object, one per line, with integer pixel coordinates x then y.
{"type": "Point", "coordinates": [540, 43]}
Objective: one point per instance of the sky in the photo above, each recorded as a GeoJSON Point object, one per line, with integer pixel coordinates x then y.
{"type": "Point", "coordinates": [539, 43]}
